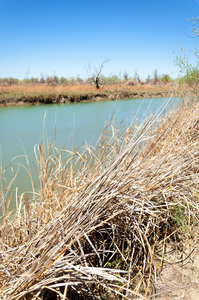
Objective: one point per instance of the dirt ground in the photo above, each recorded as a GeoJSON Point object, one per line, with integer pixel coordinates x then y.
{"type": "Point", "coordinates": [179, 278]}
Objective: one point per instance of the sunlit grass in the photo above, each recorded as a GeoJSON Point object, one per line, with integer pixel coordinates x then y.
{"type": "Point", "coordinates": [99, 223]}
{"type": "Point", "coordinates": [36, 89]}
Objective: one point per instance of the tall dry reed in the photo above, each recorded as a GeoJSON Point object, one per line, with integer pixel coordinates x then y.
{"type": "Point", "coordinates": [99, 223]}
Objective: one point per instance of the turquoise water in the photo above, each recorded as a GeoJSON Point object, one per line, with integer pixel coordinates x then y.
{"type": "Point", "coordinates": [22, 127]}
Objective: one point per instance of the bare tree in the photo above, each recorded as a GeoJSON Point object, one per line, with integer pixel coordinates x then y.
{"type": "Point", "coordinates": [155, 75]}
{"type": "Point", "coordinates": [95, 72]}
{"type": "Point", "coordinates": [148, 79]}
{"type": "Point", "coordinates": [137, 77]}
{"type": "Point", "coordinates": [125, 76]}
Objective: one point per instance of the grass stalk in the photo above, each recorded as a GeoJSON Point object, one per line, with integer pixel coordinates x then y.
{"type": "Point", "coordinates": [102, 218]}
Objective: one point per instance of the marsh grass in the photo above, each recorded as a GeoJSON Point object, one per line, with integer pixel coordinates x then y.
{"type": "Point", "coordinates": [99, 224]}
{"type": "Point", "coordinates": [46, 90]}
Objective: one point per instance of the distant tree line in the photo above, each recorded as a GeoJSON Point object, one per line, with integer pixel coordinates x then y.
{"type": "Point", "coordinates": [97, 80]}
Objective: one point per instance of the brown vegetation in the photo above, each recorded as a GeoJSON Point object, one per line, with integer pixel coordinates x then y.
{"type": "Point", "coordinates": [103, 219]}
{"type": "Point", "coordinates": [83, 88]}
{"type": "Point", "coordinates": [31, 94]}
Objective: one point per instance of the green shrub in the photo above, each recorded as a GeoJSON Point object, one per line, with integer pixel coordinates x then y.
{"type": "Point", "coordinates": [64, 80]}
{"type": "Point", "coordinates": [165, 78]}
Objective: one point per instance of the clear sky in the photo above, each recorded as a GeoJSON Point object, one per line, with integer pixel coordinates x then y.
{"type": "Point", "coordinates": [62, 37]}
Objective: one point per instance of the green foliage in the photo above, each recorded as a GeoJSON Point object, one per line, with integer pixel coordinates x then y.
{"type": "Point", "coordinates": [190, 73]}
{"type": "Point", "coordinates": [191, 77]}
{"type": "Point", "coordinates": [165, 78]}
{"type": "Point", "coordinates": [64, 80]}
{"type": "Point", "coordinates": [112, 79]}
{"type": "Point", "coordinates": [30, 80]}
{"type": "Point", "coordinates": [178, 213]}
{"type": "Point", "coordinates": [194, 28]}
{"type": "Point", "coordinates": [181, 217]}
{"type": "Point", "coordinates": [114, 263]}
{"type": "Point", "coordinates": [8, 81]}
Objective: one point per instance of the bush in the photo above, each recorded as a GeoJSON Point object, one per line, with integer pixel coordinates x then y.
{"type": "Point", "coordinates": [64, 80]}
{"type": "Point", "coordinates": [52, 80]}
{"type": "Point", "coordinates": [8, 81]}
{"type": "Point", "coordinates": [165, 78]}
{"type": "Point", "coordinates": [112, 79]}
{"type": "Point", "coordinates": [191, 77]}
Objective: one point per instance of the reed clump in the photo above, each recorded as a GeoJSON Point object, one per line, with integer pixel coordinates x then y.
{"type": "Point", "coordinates": [100, 223]}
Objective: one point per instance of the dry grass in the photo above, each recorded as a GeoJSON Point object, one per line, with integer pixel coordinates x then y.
{"type": "Point", "coordinates": [37, 89]}
{"type": "Point", "coordinates": [99, 225]}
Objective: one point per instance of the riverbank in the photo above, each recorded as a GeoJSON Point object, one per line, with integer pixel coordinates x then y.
{"type": "Point", "coordinates": [104, 221]}
{"type": "Point", "coordinates": [23, 95]}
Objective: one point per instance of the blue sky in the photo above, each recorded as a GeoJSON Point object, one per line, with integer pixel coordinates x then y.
{"type": "Point", "coordinates": [63, 37]}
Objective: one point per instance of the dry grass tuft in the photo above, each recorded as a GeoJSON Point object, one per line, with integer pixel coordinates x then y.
{"type": "Point", "coordinates": [99, 225]}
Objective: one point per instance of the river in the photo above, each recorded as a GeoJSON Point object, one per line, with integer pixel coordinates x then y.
{"type": "Point", "coordinates": [22, 127]}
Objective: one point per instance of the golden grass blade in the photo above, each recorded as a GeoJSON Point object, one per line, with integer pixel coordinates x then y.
{"type": "Point", "coordinates": [102, 218]}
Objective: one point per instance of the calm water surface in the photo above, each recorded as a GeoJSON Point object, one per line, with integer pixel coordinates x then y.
{"type": "Point", "coordinates": [22, 127]}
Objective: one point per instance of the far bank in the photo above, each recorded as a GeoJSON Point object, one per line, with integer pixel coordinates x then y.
{"type": "Point", "coordinates": [23, 95]}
